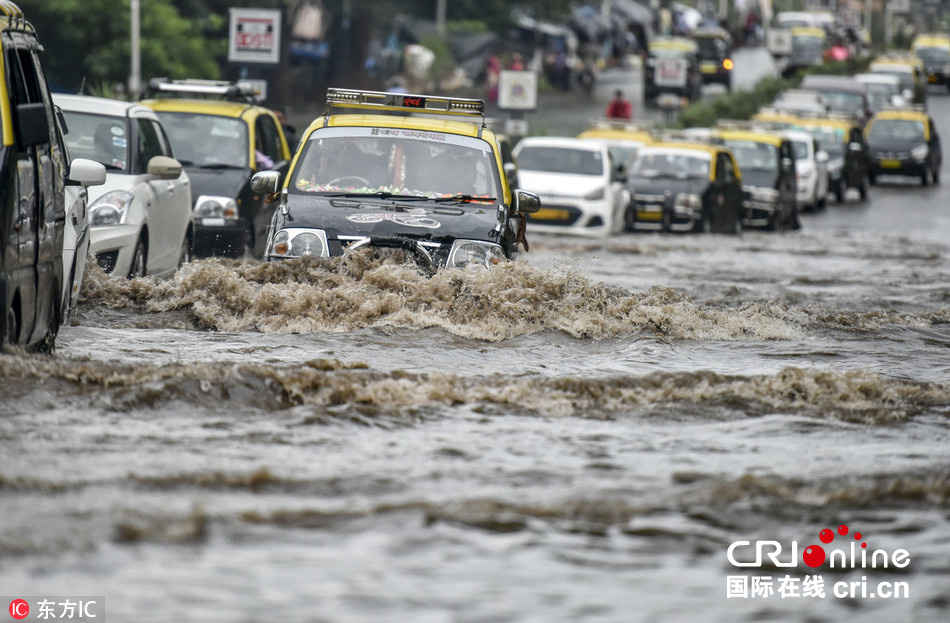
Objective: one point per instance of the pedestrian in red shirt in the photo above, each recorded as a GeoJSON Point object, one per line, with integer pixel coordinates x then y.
{"type": "Point", "coordinates": [619, 108]}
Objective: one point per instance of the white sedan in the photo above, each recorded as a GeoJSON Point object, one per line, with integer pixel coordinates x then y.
{"type": "Point", "coordinates": [580, 186]}
{"type": "Point", "coordinates": [140, 219]}
{"type": "Point", "coordinates": [811, 171]}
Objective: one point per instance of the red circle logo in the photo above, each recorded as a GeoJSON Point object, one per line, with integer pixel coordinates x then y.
{"type": "Point", "coordinates": [19, 609]}
{"type": "Point", "coordinates": [814, 555]}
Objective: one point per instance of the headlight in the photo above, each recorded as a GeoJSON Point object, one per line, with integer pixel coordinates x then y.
{"type": "Point", "coordinates": [765, 195]}
{"type": "Point", "coordinates": [213, 206]}
{"type": "Point", "coordinates": [474, 253]}
{"type": "Point", "coordinates": [110, 208]}
{"type": "Point", "coordinates": [594, 195]}
{"type": "Point", "coordinates": [687, 201]}
{"type": "Point", "coordinates": [920, 153]}
{"type": "Point", "coordinates": [298, 243]}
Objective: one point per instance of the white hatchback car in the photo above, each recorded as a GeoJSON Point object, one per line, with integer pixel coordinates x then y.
{"type": "Point", "coordinates": [580, 186]}
{"type": "Point", "coordinates": [140, 219]}
{"type": "Point", "coordinates": [811, 171]}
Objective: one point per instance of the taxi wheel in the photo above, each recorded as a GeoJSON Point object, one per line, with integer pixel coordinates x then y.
{"type": "Point", "coordinates": [628, 219]}
{"type": "Point", "coordinates": [185, 255]}
{"type": "Point", "coordinates": [935, 176]}
{"type": "Point", "coordinates": [12, 328]}
{"type": "Point", "coordinates": [48, 345]}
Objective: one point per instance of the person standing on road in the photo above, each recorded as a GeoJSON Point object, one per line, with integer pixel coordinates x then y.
{"type": "Point", "coordinates": [619, 107]}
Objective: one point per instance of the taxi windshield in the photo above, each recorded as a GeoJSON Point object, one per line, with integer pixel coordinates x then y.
{"type": "Point", "coordinates": [395, 161]}
{"type": "Point", "coordinates": [830, 140]}
{"type": "Point", "coordinates": [99, 138]}
{"type": "Point", "coordinates": [906, 76]}
{"type": "Point", "coordinates": [800, 148]}
{"type": "Point", "coordinates": [676, 165]}
{"type": "Point", "coordinates": [896, 130]}
{"type": "Point", "coordinates": [808, 43]}
{"type": "Point", "coordinates": [933, 55]}
{"type": "Point", "coordinates": [207, 141]}
{"type": "Point", "coordinates": [753, 155]}
{"type": "Point", "coordinates": [844, 101]}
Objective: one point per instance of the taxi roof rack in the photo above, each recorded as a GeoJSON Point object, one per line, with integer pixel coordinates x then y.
{"type": "Point", "coordinates": [15, 18]}
{"type": "Point", "coordinates": [405, 102]}
{"type": "Point", "coordinates": [223, 89]}
{"type": "Point", "coordinates": [680, 136]}
{"type": "Point", "coordinates": [906, 108]}
{"type": "Point", "coordinates": [606, 123]}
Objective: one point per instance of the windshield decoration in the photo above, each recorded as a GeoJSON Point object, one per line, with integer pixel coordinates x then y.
{"type": "Point", "coordinates": [409, 220]}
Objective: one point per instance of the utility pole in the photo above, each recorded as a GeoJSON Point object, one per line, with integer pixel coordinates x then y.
{"type": "Point", "coordinates": [440, 18]}
{"type": "Point", "coordinates": [135, 77]}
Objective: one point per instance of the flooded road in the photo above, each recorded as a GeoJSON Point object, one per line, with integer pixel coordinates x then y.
{"type": "Point", "coordinates": [580, 435]}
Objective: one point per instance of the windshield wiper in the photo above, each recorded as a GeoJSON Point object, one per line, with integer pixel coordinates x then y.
{"type": "Point", "coordinates": [220, 166]}
{"type": "Point", "coordinates": [464, 198]}
{"type": "Point", "coordinates": [380, 195]}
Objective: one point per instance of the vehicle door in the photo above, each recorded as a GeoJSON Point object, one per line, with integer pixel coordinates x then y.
{"type": "Point", "coordinates": [180, 199]}
{"type": "Point", "coordinates": [40, 215]}
{"type": "Point", "coordinates": [163, 241]}
{"type": "Point", "coordinates": [268, 141]}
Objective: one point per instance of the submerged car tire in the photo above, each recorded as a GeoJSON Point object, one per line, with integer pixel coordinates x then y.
{"type": "Point", "coordinates": [185, 254]}
{"type": "Point", "coordinates": [48, 345]}
{"type": "Point", "coordinates": [924, 179]}
{"type": "Point", "coordinates": [138, 267]}
{"type": "Point", "coordinates": [935, 176]}
{"type": "Point", "coordinates": [12, 326]}
{"type": "Point", "coordinates": [863, 189]}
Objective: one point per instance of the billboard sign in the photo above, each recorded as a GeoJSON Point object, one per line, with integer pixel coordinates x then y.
{"type": "Point", "coordinates": [254, 36]}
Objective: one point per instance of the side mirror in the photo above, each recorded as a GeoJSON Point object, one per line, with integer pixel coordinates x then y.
{"type": "Point", "coordinates": [266, 182]}
{"type": "Point", "coordinates": [525, 202]}
{"type": "Point", "coordinates": [32, 125]}
{"type": "Point", "coordinates": [164, 167]}
{"type": "Point", "coordinates": [84, 172]}
{"type": "Point", "coordinates": [821, 156]}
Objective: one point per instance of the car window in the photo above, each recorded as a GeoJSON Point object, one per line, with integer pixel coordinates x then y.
{"type": "Point", "coordinates": [163, 142]}
{"type": "Point", "coordinates": [148, 145]}
{"type": "Point", "coordinates": [676, 165]}
{"type": "Point", "coordinates": [390, 160]}
{"type": "Point", "coordinates": [560, 160]}
{"type": "Point", "coordinates": [208, 141]}
{"type": "Point", "coordinates": [98, 137]}
{"type": "Point", "coordinates": [754, 155]}
{"type": "Point", "coordinates": [800, 148]}
{"type": "Point", "coordinates": [267, 139]}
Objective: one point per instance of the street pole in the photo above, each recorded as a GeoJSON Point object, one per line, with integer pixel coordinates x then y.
{"type": "Point", "coordinates": [440, 18]}
{"type": "Point", "coordinates": [135, 77]}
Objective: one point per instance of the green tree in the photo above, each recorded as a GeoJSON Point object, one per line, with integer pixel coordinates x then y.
{"type": "Point", "coordinates": [88, 40]}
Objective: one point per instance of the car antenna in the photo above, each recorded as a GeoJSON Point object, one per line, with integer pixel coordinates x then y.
{"type": "Point", "coordinates": [82, 86]}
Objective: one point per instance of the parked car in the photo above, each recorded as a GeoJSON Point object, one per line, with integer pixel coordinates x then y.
{"type": "Point", "coordinates": [579, 183]}
{"type": "Point", "coordinates": [431, 186]}
{"type": "Point", "coordinates": [811, 171]}
{"type": "Point", "coordinates": [34, 173]}
{"type": "Point", "coordinates": [847, 154]}
{"type": "Point", "coordinates": [904, 142]}
{"type": "Point", "coordinates": [767, 164]}
{"type": "Point", "coordinates": [843, 94]}
{"type": "Point", "coordinates": [684, 186]}
{"type": "Point", "coordinates": [934, 50]}
{"type": "Point", "coordinates": [222, 142]}
{"type": "Point", "coordinates": [140, 219]}
{"type": "Point", "coordinates": [884, 91]}
{"type": "Point", "coordinates": [714, 49]}
{"type": "Point", "coordinates": [672, 66]}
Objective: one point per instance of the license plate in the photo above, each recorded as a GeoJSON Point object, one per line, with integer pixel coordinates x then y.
{"type": "Point", "coordinates": [550, 214]}
{"type": "Point", "coordinates": [650, 214]}
{"type": "Point", "coordinates": [709, 68]}
{"type": "Point", "coordinates": [213, 222]}
{"type": "Point", "coordinates": [891, 164]}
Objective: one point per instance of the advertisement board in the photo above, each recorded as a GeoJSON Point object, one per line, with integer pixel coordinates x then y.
{"type": "Point", "coordinates": [254, 36]}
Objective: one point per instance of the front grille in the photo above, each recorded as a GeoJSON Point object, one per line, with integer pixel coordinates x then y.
{"type": "Point", "coordinates": [107, 260]}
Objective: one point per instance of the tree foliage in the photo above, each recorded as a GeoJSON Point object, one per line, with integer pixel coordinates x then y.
{"type": "Point", "coordinates": [89, 40]}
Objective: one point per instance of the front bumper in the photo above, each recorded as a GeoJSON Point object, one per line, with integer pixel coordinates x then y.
{"type": "Point", "coordinates": [113, 247]}
{"type": "Point", "coordinates": [574, 216]}
{"type": "Point", "coordinates": [661, 213]}
{"type": "Point", "coordinates": [898, 166]}
{"type": "Point", "coordinates": [758, 212]}
{"type": "Point", "coordinates": [219, 236]}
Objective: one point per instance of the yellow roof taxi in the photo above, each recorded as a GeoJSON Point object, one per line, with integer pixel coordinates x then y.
{"type": "Point", "coordinates": [672, 66]}
{"type": "Point", "coordinates": [904, 142]}
{"type": "Point", "coordinates": [374, 173]}
{"type": "Point", "coordinates": [908, 68]}
{"type": "Point", "coordinates": [682, 184]}
{"type": "Point", "coordinates": [623, 138]}
{"type": "Point", "coordinates": [934, 51]}
{"type": "Point", "coordinates": [222, 136]}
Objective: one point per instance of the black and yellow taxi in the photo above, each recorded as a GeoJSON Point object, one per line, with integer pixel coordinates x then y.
{"type": "Point", "coordinates": [35, 198]}
{"type": "Point", "coordinates": [421, 173]}
{"type": "Point", "coordinates": [683, 184]}
{"type": "Point", "coordinates": [934, 50]}
{"type": "Point", "coordinates": [672, 66]}
{"type": "Point", "coordinates": [904, 142]}
{"type": "Point", "coordinates": [714, 49]}
{"type": "Point", "coordinates": [222, 137]}
{"type": "Point", "coordinates": [767, 162]}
